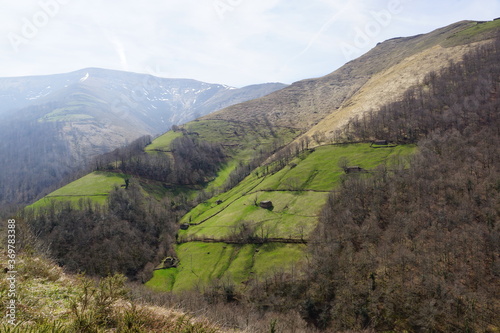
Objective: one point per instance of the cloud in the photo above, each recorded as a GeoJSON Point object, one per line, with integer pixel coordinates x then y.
{"type": "Point", "coordinates": [120, 50]}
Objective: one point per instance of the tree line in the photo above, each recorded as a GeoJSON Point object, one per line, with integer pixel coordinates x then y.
{"type": "Point", "coordinates": [129, 234]}
{"type": "Point", "coordinates": [190, 162]}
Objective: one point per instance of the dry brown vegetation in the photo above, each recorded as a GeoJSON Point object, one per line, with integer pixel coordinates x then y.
{"type": "Point", "coordinates": [306, 103]}
{"type": "Point", "coordinates": [51, 301]}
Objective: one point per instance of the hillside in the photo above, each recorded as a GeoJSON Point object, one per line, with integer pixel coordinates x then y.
{"type": "Point", "coordinates": [232, 237]}
{"type": "Point", "coordinates": [52, 125]}
{"type": "Point", "coordinates": [53, 301]}
{"type": "Point", "coordinates": [321, 105]}
{"type": "Point", "coordinates": [296, 192]}
{"type": "Point", "coordinates": [421, 55]}
{"type": "Point", "coordinates": [274, 217]}
{"type": "Point", "coordinates": [242, 133]}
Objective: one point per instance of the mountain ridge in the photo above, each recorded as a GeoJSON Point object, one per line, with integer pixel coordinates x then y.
{"type": "Point", "coordinates": [93, 111]}
{"type": "Point", "coordinates": [331, 90]}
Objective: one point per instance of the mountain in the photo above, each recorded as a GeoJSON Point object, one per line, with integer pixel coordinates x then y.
{"type": "Point", "coordinates": [90, 112]}
{"type": "Point", "coordinates": [321, 105]}
{"type": "Point", "coordinates": [121, 105]}
{"type": "Point", "coordinates": [287, 202]}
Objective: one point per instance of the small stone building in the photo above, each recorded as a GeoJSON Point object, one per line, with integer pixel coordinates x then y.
{"type": "Point", "coordinates": [170, 262]}
{"type": "Point", "coordinates": [184, 226]}
{"type": "Point", "coordinates": [266, 204]}
{"type": "Point", "coordinates": [380, 142]}
{"type": "Point", "coordinates": [354, 169]}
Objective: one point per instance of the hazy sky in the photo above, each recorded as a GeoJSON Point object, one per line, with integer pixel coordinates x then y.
{"type": "Point", "coordinates": [235, 42]}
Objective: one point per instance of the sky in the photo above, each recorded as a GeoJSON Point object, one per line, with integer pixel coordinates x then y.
{"type": "Point", "coordinates": [233, 42]}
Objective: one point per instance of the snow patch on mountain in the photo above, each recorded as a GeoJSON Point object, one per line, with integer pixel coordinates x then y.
{"type": "Point", "coordinates": [83, 79]}
{"type": "Point", "coordinates": [33, 96]}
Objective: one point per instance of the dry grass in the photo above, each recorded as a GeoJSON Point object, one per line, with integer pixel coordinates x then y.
{"type": "Point", "coordinates": [382, 75]}
{"type": "Point", "coordinates": [390, 85]}
{"type": "Point", "coordinates": [49, 300]}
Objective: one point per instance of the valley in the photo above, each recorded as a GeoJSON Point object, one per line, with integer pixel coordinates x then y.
{"type": "Point", "coordinates": [90, 112]}
{"type": "Point", "coordinates": [366, 200]}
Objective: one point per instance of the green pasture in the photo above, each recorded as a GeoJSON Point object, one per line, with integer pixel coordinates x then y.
{"type": "Point", "coordinates": [201, 263]}
{"type": "Point", "coordinates": [475, 32]}
{"type": "Point", "coordinates": [163, 142]}
{"type": "Point", "coordinates": [297, 192]}
{"type": "Point", "coordinates": [95, 186]}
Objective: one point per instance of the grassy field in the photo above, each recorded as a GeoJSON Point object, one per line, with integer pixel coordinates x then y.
{"type": "Point", "coordinates": [164, 279]}
{"type": "Point", "coordinates": [476, 32]}
{"type": "Point", "coordinates": [201, 263]}
{"type": "Point", "coordinates": [297, 192]}
{"type": "Point", "coordinates": [237, 133]}
{"type": "Point", "coordinates": [163, 142]}
{"type": "Point", "coordinates": [69, 113]}
{"type": "Point", "coordinates": [95, 186]}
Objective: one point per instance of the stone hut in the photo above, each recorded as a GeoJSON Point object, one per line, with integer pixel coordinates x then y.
{"type": "Point", "coordinates": [170, 262]}
{"type": "Point", "coordinates": [184, 226]}
{"type": "Point", "coordinates": [380, 142]}
{"type": "Point", "coordinates": [354, 169]}
{"type": "Point", "coordinates": [266, 204]}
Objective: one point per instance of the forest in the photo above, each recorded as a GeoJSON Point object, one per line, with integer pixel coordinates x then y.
{"type": "Point", "coordinates": [43, 150]}
{"type": "Point", "coordinates": [90, 237]}
{"type": "Point", "coordinates": [190, 161]}
{"type": "Point", "coordinates": [417, 246]}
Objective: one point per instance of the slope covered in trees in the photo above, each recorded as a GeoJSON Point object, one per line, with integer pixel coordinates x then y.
{"type": "Point", "coordinates": [91, 238]}
{"type": "Point", "coordinates": [26, 146]}
{"type": "Point", "coordinates": [417, 247]}
{"type": "Point", "coordinates": [461, 96]}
